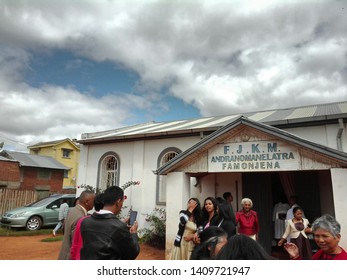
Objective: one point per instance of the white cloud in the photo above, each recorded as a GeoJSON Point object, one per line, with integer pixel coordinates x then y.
{"type": "Point", "coordinates": [221, 56]}
{"type": "Point", "coordinates": [56, 113]}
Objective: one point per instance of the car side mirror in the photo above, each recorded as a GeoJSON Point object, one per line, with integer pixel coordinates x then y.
{"type": "Point", "coordinates": [54, 207]}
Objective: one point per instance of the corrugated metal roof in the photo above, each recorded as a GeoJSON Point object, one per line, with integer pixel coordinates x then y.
{"type": "Point", "coordinates": [271, 117]}
{"type": "Point", "coordinates": [5, 159]}
{"type": "Point", "coordinates": [36, 161]}
{"type": "Point", "coordinates": [52, 143]}
{"type": "Point", "coordinates": [211, 139]}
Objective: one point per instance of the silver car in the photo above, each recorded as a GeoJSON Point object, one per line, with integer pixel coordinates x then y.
{"type": "Point", "coordinates": [41, 213]}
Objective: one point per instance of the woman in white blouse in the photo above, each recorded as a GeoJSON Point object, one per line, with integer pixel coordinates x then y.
{"type": "Point", "coordinates": [296, 229]}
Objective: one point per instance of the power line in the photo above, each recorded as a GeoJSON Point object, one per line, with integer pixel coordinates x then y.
{"type": "Point", "coordinates": [15, 141]}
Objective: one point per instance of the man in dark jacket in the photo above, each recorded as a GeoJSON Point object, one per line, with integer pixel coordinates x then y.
{"type": "Point", "coordinates": [104, 236]}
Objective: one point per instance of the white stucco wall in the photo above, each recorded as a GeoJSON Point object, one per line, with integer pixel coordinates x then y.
{"type": "Point", "coordinates": [178, 194]}
{"type": "Point", "coordinates": [339, 179]}
{"type": "Point", "coordinates": [138, 159]}
{"type": "Point", "coordinates": [324, 134]}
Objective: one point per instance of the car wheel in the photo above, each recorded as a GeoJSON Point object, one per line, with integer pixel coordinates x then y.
{"type": "Point", "coordinates": [34, 223]}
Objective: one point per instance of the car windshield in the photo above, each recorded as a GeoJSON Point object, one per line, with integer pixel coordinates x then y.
{"type": "Point", "coordinates": [42, 202]}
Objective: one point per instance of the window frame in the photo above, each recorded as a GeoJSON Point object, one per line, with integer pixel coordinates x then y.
{"type": "Point", "coordinates": [100, 170]}
{"type": "Point", "coordinates": [63, 151]}
{"type": "Point", "coordinates": [159, 164]}
{"type": "Point", "coordinates": [47, 174]}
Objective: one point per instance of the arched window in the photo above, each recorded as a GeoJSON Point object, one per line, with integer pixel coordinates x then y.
{"type": "Point", "coordinates": [108, 174]}
{"type": "Point", "coordinates": [164, 157]}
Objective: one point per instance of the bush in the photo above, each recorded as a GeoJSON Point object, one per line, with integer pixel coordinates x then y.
{"type": "Point", "coordinates": [97, 191]}
{"type": "Point", "coordinates": [123, 214]}
{"type": "Point", "coordinates": [154, 235]}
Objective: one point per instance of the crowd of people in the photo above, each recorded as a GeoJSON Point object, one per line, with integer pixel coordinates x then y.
{"type": "Point", "coordinates": [208, 231]}
{"type": "Point", "coordinates": [219, 234]}
{"type": "Point", "coordinates": [216, 226]}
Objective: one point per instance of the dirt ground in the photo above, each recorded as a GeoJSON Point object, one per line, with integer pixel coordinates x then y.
{"type": "Point", "coordinates": [31, 248]}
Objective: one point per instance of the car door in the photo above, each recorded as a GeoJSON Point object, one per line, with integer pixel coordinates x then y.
{"type": "Point", "coordinates": [51, 213]}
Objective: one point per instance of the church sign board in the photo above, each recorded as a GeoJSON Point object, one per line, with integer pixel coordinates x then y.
{"type": "Point", "coordinates": [252, 157]}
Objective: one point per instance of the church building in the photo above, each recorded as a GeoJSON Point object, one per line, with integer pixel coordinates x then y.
{"type": "Point", "coordinates": [266, 156]}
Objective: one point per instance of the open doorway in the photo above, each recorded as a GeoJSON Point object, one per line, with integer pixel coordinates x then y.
{"type": "Point", "coordinates": [266, 190]}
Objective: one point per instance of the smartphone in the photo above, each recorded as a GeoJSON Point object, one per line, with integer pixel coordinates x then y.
{"type": "Point", "coordinates": [133, 216]}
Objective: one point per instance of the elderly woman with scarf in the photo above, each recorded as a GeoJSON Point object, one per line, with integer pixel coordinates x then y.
{"type": "Point", "coordinates": [189, 222]}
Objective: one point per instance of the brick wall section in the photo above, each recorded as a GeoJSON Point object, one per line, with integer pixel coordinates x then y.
{"type": "Point", "coordinates": [10, 176]}
{"type": "Point", "coordinates": [9, 171]}
{"type": "Point", "coordinates": [31, 180]}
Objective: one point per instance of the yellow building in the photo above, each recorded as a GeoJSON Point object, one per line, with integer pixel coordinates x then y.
{"type": "Point", "coordinates": [66, 152]}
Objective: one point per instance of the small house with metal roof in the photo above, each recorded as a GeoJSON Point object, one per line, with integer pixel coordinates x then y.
{"type": "Point", "coordinates": [66, 151]}
{"type": "Point", "coordinates": [31, 172]}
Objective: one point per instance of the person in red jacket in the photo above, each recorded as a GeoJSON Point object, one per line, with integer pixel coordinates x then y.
{"type": "Point", "coordinates": [326, 231]}
{"type": "Point", "coordinates": [247, 219]}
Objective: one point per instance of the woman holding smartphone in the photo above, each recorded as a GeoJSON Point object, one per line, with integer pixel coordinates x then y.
{"type": "Point", "coordinates": [187, 227]}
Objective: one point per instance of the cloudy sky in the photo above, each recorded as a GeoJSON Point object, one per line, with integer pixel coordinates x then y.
{"type": "Point", "coordinates": [70, 67]}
